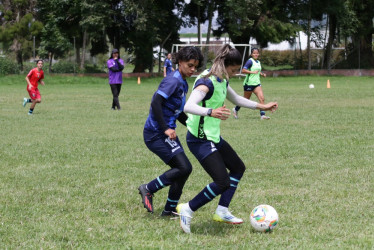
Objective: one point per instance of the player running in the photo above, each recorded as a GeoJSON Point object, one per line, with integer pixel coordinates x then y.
{"type": "Point", "coordinates": [206, 104]}
{"type": "Point", "coordinates": [159, 131]}
{"type": "Point", "coordinates": [33, 78]}
{"type": "Point", "coordinates": [252, 83]}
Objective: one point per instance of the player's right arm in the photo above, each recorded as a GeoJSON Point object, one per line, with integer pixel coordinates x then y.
{"type": "Point", "coordinates": [28, 83]}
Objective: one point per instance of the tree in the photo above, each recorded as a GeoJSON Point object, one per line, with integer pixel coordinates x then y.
{"type": "Point", "coordinates": [54, 44]}
{"type": "Point", "coordinates": [361, 29]}
{"type": "Point", "coordinates": [144, 25]}
{"type": "Point", "coordinates": [18, 27]}
{"type": "Point", "coordinates": [266, 21]}
{"type": "Point", "coordinates": [200, 11]}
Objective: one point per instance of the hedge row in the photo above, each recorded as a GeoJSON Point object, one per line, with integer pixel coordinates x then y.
{"type": "Point", "coordinates": [276, 58]}
{"type": "Point", "coordinates": [8, 66]}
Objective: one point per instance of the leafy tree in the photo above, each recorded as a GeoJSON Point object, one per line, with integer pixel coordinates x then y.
{"type": "Point", "coordinates": [144, 25]}
{"type": "Point", "coordinates": [360, 26]}
{"type": "Point", "coordinates": [266, 21]}
{"type": "Point", "coordinates": [67, 15]}
{"type": "Point", "coordinates": [18, 27]}
{"type": "Point", "coordinates": [54, 43]}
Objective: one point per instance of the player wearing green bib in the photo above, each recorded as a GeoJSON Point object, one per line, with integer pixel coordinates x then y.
{"type": "Point", "coordinates": [252, 83]}
{"type": "Point", "coordinates": [206, 108]}
{"type": "Point", "coordinates": [206, 127]}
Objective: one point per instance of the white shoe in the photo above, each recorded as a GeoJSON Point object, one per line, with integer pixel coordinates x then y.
{"type": "Point", "coordinates": [264, 117]}
{"type": "Point", "coordinates": [226, 217]}
{"type": "Point", "coordinates": [25, 100]}
{"type": "Point", "coordinates": [185, 214]}
{"type": "Point", "coordinates": [235, 113]}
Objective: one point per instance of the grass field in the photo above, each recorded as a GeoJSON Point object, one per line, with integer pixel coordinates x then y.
{"type": "Point", "coordinates": [69, 174]}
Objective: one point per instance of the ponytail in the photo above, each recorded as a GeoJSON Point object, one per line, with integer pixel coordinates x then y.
{"type": "Point", "coordinates": [226, 56]}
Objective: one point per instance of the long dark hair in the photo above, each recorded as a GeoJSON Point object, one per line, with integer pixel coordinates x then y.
{"type": "Point", "coordinates": [187, 53]}
{"type": "Point", "coordinates": [226, 56]}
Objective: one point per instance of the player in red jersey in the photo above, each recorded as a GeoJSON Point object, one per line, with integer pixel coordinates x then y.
{"type": "Point", "coordinates": [33, 78]}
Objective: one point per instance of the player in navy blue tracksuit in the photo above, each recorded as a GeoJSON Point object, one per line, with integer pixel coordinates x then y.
{"type": "Point", "coordinates": [159, 130]}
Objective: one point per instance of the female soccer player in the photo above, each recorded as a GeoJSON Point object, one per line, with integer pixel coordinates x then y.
{"type": "Point", "coordinates": [206, 104]}
{"type": "Point", "coordinates": [35, 76]}
{"type": "Point", "coordinates": [115, 65]}
{"type": "Point", "coordinates": [159, 130]}
{"type": "Point", "coordinates": [252, 82]}
{"type": "Point", "coordinates": [168, 66]}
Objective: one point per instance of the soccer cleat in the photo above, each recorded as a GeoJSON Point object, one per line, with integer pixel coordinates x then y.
{"type": "Point", "coordinates": [169, 213]}
{"type": "Point", "coordinates": [185, 214]}
{"type": "Point", "coordinates": [146, 197]}
{"type": "Point", "coordinates": [226, 217]}
{"type": "Point", "coordinates": [235, 113]}
{"type": "Point", "coordinates": [264, 117]}
{"type": "Point", "coordinates": [25, 100]}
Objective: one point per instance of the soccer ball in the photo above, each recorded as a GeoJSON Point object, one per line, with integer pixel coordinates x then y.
{"type": "Point", "coordinates": [264, 218]}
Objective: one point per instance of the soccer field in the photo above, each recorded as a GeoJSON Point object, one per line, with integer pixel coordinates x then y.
{"type": "Point", "coordinates": [69, 173]}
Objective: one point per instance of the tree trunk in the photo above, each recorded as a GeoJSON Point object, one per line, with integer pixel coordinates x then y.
{"type": "Point", "coordinates": [83, 49]}
{"type": "Point", "coordinates": [324, 42]}
{"type": "Point", "coordinates": [159, 54]}
{"type": "Point", "coordinates": [20, 59]}
{"type": "Point", "coordinates": [198, 25]}
{"type": "Point", "coordinates": [50, 57]}
{"type": "Point", "coordinates": [332, 32]}
{"type": "Point", "coordinates": [308, 33]}
{"type": "Point", "coordinates": [210, 19]}
{"type": "Point", "coordinates": [301, 65]}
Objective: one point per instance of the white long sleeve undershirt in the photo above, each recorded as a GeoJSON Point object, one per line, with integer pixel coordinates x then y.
{"type": "Point", "coordinates": [197, 96]}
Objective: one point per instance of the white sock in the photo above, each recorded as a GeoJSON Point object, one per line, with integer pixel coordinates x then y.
{"type": "Point", "coordinates": [221, 209]}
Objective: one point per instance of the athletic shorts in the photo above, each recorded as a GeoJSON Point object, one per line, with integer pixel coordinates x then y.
{"type": "Point", "coordinates": [161, 145]}
{"type": "Point", "coordinates": [34, 94]}
{"type": "Point", "coordinates": [250, 87]}
{"type": "Point", "coordinates": [202, 148]}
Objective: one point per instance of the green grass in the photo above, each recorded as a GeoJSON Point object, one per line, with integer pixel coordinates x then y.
{"type": "Point", "coordinates": [69, 173]}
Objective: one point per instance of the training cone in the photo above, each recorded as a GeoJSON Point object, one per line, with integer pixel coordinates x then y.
{"type": "Point", "coordinates": [328, 84]}
{"type": "Point", "coordinates": [138, 79]}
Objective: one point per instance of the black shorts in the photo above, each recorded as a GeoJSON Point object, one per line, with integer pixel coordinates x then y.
{"type": "Point", "coordinates": [202, 148]}
{"type": "Point", "coordinates": [162, 146]}
{"type": "Point", "coordinates": [250, 87]}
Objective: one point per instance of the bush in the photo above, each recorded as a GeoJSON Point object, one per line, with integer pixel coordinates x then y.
{"type": "Point", "coordinates": [8, 66]}
{"type": "Point", "coordinates": [27, 66]}
{"type": "Point", "coordinates": [64, 67]}
{"type": "Point", "coordinates": [90, 68]}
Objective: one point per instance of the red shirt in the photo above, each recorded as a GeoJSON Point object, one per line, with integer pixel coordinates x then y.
{"type": "Point", "coordinates": [35, 76]}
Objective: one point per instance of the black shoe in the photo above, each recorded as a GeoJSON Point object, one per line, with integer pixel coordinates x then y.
{"type": "Point", "coordinates": [146, 198]}
{"type": "Point", "coordinates": [169, 213]}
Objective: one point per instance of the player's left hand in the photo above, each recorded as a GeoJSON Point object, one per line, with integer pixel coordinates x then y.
{"type": "Point", "coordinates": [221, 113]}
{"type": "Point", "coordinates": [272, 106]}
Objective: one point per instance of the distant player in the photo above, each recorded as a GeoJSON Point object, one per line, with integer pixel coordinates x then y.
{"type": "Point", "coordinates": [168, 66]}
{"type": "Point", "coordinates": [252, 83]}
{"type": "Point", "coordinates": [33, 78]}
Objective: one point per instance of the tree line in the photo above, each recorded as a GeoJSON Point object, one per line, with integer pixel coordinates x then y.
{"type": "Point", "coordinates": [55, 26]}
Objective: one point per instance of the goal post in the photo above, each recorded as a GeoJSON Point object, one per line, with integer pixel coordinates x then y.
{"type": "Point", "coordinates": [176, 47]}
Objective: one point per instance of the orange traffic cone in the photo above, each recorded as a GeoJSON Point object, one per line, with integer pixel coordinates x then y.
{"type": "Point", "coordinates": [328, 84]}
{"type": "Point", "coordinates": [138, 79]}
